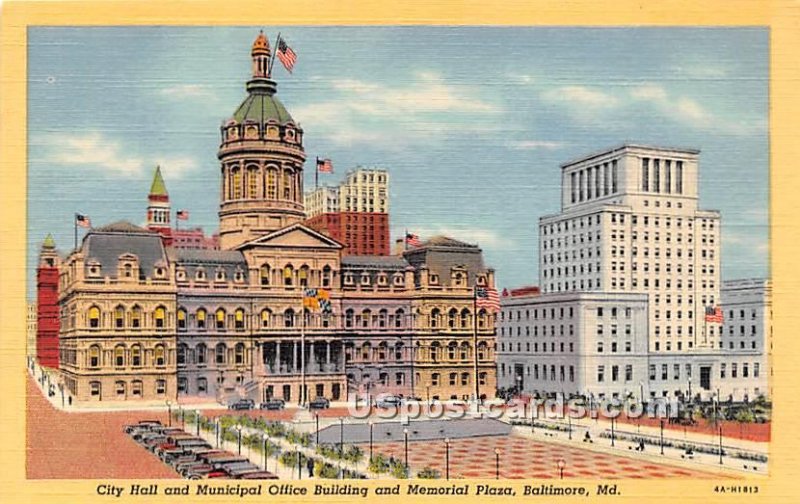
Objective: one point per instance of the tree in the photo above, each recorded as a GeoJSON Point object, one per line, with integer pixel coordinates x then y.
{"type": "Point", "coordinates": [429, 473]}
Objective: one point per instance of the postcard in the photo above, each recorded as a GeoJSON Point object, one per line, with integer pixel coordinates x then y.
{"type": "Point", "coordinates": [420, 254]}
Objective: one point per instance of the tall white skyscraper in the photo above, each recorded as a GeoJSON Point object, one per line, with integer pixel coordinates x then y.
{"type": "Point", "coordinates": [630, 222]}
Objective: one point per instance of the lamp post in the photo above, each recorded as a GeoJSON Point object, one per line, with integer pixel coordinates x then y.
{"type": "Point", "coordinates": [299, 463]}
{"type": "Point", "coordinates": [183, 417]}
{"type": "Point", "coordinates": [612, 431]}
{"type": "Point", "coordinates": [447, 458]}
{"type": "Point", "coordinates": [216, 430]}
{"type": "Point", "coordinates": [239, 430]}
{"type": "Point", "coordinates": [662, 436]}
{"type": "Point", "coordinates": [316, 418]}
{"type": "Point", "coordinates": [641, 393]}
{"type": "Point", "coordinates": [405, 440]}
{"type": "Point", "coordinates": [264, 438]}
{"type": "Point", "coordinates": [561, 465]}
{"type": "Point", "coordinates": [569, 423]}
{"type": "Point", "coordinates": [371, 426]}
{"type": "Point", "coordinates": [341, 435]}
{"type": "Point", "coordinates": [720, 445]}
{"type": "Point", "coordinates": [497, 463]}
{"type": "Point", "coordinates": [519, 385]}
{"type": "Point", "coordinates": [169, 413]}
{"type": "Point", "coordinates": [197, 420]}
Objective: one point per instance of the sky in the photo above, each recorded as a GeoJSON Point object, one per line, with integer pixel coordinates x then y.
{"type": "Point", "coordinates": [471, 122]}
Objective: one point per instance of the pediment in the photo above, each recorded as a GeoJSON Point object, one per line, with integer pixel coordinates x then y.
{"type": "Point", "coordinates": [294, 236]}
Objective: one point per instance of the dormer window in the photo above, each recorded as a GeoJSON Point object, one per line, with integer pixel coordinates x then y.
{"type": "Point", "coordinates": [200, 275]}
{"type": "Point", "coordinates": [382, 280]}
{"type": "Point", "coordinates": [364, 279]}
{"type": "Point", "coordinates": [159, 272]}
{"type": "Point", "coordinates": [481, 280]}
{"type": "Point", "coordinates": [181, 275]}
{"type": "Point", "coordinates": [238, 276]}
{"type": "Point", "coordinates": [434, 279]}
{"type": "Point", "coordinates": [128, 271]}
{"type": "Point", "coordinates": [459, 279]}
{"type": "Point", "coordinates": [398, 279]}
{"type": "Point", "coordinates": [348, 279]}
{"type": "Point", "coordinates": [220, 276]}
{"type": "Point", "coordinates": [233, 133]}
{"type": "Point", "coordinates": [251, 131]}
{"type": "Point", "coordinates": [94, 269]}
{"type": "Point", "coordinates": [273, 133]}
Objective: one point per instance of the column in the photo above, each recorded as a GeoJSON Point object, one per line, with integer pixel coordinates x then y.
{"type": "Point", "coordinates": [294, 357]}
{"type": "Point", "coordinates": [328, 352]}
{"type": "Point", "coordinates": [278, 355]}
{"type": "Point", "coordinates": [311, 356]}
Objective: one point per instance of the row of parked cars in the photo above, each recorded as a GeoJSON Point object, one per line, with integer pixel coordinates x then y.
{"type": "Point", "coordinates": [191, 456]}
{"type": "Point", "coordinates": [276, 404]}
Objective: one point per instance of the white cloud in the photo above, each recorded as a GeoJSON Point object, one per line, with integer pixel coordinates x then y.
{"type": "Point", "coordinates": [94, 151]}
{"type": "Point", "coordinates": [480, 236]}
{"type": "Point", "coordinates": [427, 108]}
{"type": "Point", "coordinates": [187, 91]}
{"type": "Point", "coordinates": [519, 78]}
{"type": "Point", "coordinates": [535, 145]}
{"type": "Point", "coordinates": [580, 96]}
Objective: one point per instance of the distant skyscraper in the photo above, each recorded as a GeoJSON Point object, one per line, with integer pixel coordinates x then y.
{"type": "Point", "coordinates": [355, 213]}
{"type": "Point", "coordinates": [47, 323]}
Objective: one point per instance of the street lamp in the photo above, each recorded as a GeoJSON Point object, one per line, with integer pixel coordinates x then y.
{"type": "Point", "coordinates": [405, 439]}
{"type": "Point", "coordinates": [264, 438]}
{"type": "Point", "coordinates": [183, 418]}
{"type": "Point", "coordinates": [197, 420]}
{"type": "Point", "coordinates": [216, 430]}
{"type": "Point", "coordinates": [561, 465]}
{"type": "Point", "coordinates": [612, 431]}
{"type": "Point", "coordinates": [239, 430]}
{"type": "Point", "coordinates": [662, 436]}
{"type": "Point", "coordinates": [371, 426]}
{"type": "Point", "coordinates": [169, 413]}
{"type": "Point", "coordinates": [341, 435]}
{"type": "Point", "coordinates": [447, 458]}
{"type": "Point", "coordinates": [569, 423]}
{"type": "Point", "coordinates": [316, 418]}
{"type": "Point", "coordinates": [720, 444]}
{"type": "Point", "coordinates": [497, 463]}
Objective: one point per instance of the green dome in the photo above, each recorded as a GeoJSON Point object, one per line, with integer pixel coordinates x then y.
{"type": "Point", "coordinates": [261, 105]}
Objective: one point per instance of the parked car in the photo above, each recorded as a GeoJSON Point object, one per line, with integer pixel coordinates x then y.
{"type": "Point", "coordinates": [141, 424]}
{"type": "Point", "coordinates": [319, 403]}
{"type": "Point", "coordinates": [242, 404]}
{"type": "Point", "coordinates": [262, 475]}
{"type": "Point", "coordinates": [273, 404]}
{"type": "Point", "coordinates": [388, 401]}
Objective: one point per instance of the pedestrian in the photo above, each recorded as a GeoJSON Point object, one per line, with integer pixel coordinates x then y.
{"type": "Point", "coordinates": [70, 400]}
{"type": "Point", "coordinates": [310, 466]}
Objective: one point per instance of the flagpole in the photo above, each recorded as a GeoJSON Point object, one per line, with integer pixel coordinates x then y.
{"type": "Point", "coordinates": [177, 221]}
{"type": "Point", "coordinates": [475, 341]}
{"type": "Point", "coordinates": [75, 224]}
{"type": "Point", "coordinates": [272, 60]}
{"type": "Point", "coordinates": [405, 239]}
{"type": "Point", "coordinates": [316, 175]}
{"type": "Point", "coordinates": [302, 349]}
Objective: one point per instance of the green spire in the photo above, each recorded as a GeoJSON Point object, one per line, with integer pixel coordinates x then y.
{"type": "Point", "coordinates": [49, 242]}
{"type": "Point", "coordinates": [158, 188]}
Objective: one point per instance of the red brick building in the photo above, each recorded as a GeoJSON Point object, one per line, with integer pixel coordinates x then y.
{"type": "Point", "coordinates": [47, 315]}
{"type": "Point", "coordinates": [361, 233]}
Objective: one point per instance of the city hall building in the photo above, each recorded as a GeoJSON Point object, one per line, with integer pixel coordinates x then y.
{"type": "Point", "coordinates": [631, 302]}
{"type": "Point", "coordinates": [143, 320]}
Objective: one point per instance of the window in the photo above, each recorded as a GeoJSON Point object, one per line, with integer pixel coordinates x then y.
{"type": "Point", "coordinates": [119, 317]}
{"type": "Point", "coordinates": [94, 356]}
{"type": "Point", "coordinates": [136, 388]}
{"type": "Point", "coordinates": [435, 379]}
{"type": "Point", "coordinates": [158, 355]}
{"type": "Point", "coordinates": [628, 372]}
{"type": "Point", "coordinates": [159, 317]}
{"type": "Point", "coordinates": [652, 372]}
{"type": "Point", "coordinates": [266, 317]}
{"type": "Point", "coordinates": [238, 354]}
{"type": "Point", "coordinates": [238, 319]}
{"type": "Point", "coordinates": [94, 389]}
{"type": "Point", "coordinates": [600, 373]}
{"type": "Point", "coordinates": [263, 274]}
{"type": "Point", "coordinates": [288, 276]}
{"type": "Point", "coordinates": [119, 356]}
{"type": "Point", "coordinates": [136, 355]}
{"type": "Point", "coordinates": [202, 385]}
{"type": "Point", "coordinates": [220, 319]}
{"type": "Point", "coordinates": [94, 317]}
{"type": "Point", "coordinates": [219, 353]}
{"type": "Point", "coordinates": [201, 318]}
{"type": "Point", "coordinates": [201, 351]}
{"type": "Point", "coordinates": [288, 318]}
{"type": "Point", "coordinates": [180, 357]}
{"type": "Point", "coordinates": [161, 387]}
{"type": "Point", "coordinates": [181, 318]}
{"type": "Point", "coordinates": [136, 317]}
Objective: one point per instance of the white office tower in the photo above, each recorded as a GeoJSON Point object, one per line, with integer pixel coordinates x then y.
{"type": "Point", "coordinates": [630, 222]}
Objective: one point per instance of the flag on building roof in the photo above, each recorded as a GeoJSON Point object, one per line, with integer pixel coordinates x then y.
{"type": "Point", "coordinates": [317, 299]}
{"type": "Point", "coordinates": [413, 240]}
{"type": "Point", "coordinates": [83, 220]}
{"type": "Point", "coordinates": [182, 215]}
{"type": "Point", "coordinates": [324, 165]}
{"type": "Point", "coordinates": [714, 314]}
{"type": "Point", "coordinates": [486, 297]}
{"type": "Point", "coordinates": [286, 55]}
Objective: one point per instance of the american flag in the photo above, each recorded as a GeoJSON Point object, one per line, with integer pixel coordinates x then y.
{"type": "Point", "coordinates": [413, 240]}
{"type": "Point", "coordinates": [83, 220]}
{"type": "Point", "coordinates": [324, 165]}
{"type": "Point", "coordinates": [182, 215]}
{"type": "Point", "coordinates": [486, 297]}
{"type": "Point", "coordinates": [714, 314]}
{"type": "Point", "coordinates": [286, 55]}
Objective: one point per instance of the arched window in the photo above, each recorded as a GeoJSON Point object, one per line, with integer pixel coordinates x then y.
{"type": "Point", "coordinates": [94, 317]}
{"type": "Point", "coordinates": [465, 318]}
{"type": "Point", "coordinates": [302, 276]}
{"type": "Point", "coordinates": [366, 315]}
{"type": "Point", "coordinates": [382, 316]}
{"type": "Point", "coordinates": [326, 276]}
{"type": "Point", "coordinates": [202, 352]}
{"type": "Point", "coordinates": [382, 349]}
{"type": "Point", "coordinates": [451, 318]}
{"type": "Point", "coordinates": [136, 388]}
{"type": "Point", "coordinates": [252, 182]}
{"type": "Point", "coordinates": [119, 317]}
{"type": "Point", "coordinates": [451, 350]}
{"type": "Point", "coordinates": [464, 378]}
{"type": "Point", "coordinates": [288, 318]}
{"type": "Point", "coordinates": [434, 350]}
{"type": "Point", "coordinates": [136, 317]}
{"type": "Point", "coordinates": [288, 275]}
{"type": "Point", "coordinates": [181, 318]}
{"type": "Point", "coordinates": [482, 350]}
{"type": "Point", "coordinates": [266, 318]}
{"type": "Point", "coordinates": [348, 318]}
{"type": "Point", "coordinates": [366, 351]}
{"type": "Point", "coordinates": [158, 355]}
{"type": "Point", "coordinates": [482, 319]}
{"type": "Point", "coordinates": [119, 355]}
{"type": "Point", "coordinates": [287, 185]}
{"type": "Point", "coordinates": [398, 351]}
{"type": "Point", "coordinates": [238, 353]}
{"type": "Point", "coordinates": [435, 379]}
{"type": "Point", "coordinates": [272, 183]}
{"type": "Point", "coordinates": [181, 355]}
{"type": "Point", "coordinates": [220, 352]}
{"type": "Point", "coordinates": [399, 315]}
{"type": "Point", "coordinates": [128, 271]}
{"type": "Point", "coordinates": [263, 274]}
{"type": "Point", "coordinates": [463, 353]}
{"type": "Point", "coordinates": [160, 316]}
{"type": "Point", "coordinates": [435, 316]}
{"type": "Point", "coordinates": [453, 377]}
{"type": "Point", "coordinates": [220, 318]}
{"type": "Point", "coordinates": [201, 318]}
{"type": "Point", "coordinates": [384, 378]}
{"type": "Point", "coordinates": [95, 389]}
{"type": "Point", "coordinates": [136, 355]}
{"type": "Point", "coordinates": [239, 319]}
{"type": "Point", "coordinates": [94, 356]}
{"type": "Point", "coordinates": [459, 279]}
{"type": "Point", "coordinates": [236, 183]}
